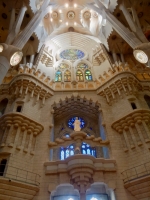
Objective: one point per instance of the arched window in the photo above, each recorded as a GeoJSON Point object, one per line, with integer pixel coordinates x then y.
{"type": "Point", "coordinates": [147, 99]}
{"type": "Point", "coordinates": [133, 105]}
{"type": "Point", "coordinates": [2, 166]}
{"type": "Point", "coordinates": [3, 105]}
{"type": "Point", "coordinates": [58, 76]}
{"type": "Point", "coordinates": [65, 152]}
{"type": "Point", "coordinates": [87, 149]}
{"type": "Point", "coordinates": [79, 75]}
{"type": "Point", "coordinates": [67, 76]}
{"type": "Point", "coordinates": [88, 75]}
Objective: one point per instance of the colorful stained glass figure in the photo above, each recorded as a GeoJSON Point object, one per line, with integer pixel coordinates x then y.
{"type": "Point", "coordinates": [72, 120]}
{"type": "Point", "coordinates": [88, 150]}
{"type": "Point", "coordinates": [63, 66]}
{"type": "Point", "coordinates": [82, 66]}
{"type": "Point", "coordinates": [67, 76]}
{"type": "Point", "coordinates": [72, 54]}
{"type": "Point", "coordinates": [88, 75]}
{"type": "Point", "coordinates": [79, 76]}
{"type": "Point", "coordinates": [58, 76]}
{"type": "Point", "coordinates": [65, 152]}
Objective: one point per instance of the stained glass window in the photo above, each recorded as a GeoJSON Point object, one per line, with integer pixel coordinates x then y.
{"type": "Point", "coordinates": [58, 76]}
{"type": "Point", "coordinates": [88, 75]}
{"type": "Point", "coordinates": [72, 54]}
{"type": "Point", "coordinates": [67, 76]}
{"type": "Point", "coordinates": [72, 120]}
{"type": "Point", "coordinates": [82, 66]}
{"type": "Point", "coordinates": [88, 150]}
{"type": "Point", "coordinates": [79, 75]}
{"type": "Point", "coordinates": [66, 152]}
{"type": "Point", "coordinates": [63, 66]}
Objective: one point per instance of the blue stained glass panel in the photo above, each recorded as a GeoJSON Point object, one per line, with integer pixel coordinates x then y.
{"type": "Point", "coordinates": [72, 54]}
{"type": "Point", "coordinates": [72, 120]}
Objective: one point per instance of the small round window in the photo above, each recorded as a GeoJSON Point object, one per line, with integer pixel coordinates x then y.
{"type": "Point", "coordinates": [72, 120]}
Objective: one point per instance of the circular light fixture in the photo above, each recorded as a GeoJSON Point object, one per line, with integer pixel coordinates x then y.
{"type": "Point", "coordinates": [140, 56]}
{"type": "Point", "coordinates": [1, 48]}
{"type": "Point", "coordinates": [71, 15]}
{"type": "Point", "coordinates": [16, 58]}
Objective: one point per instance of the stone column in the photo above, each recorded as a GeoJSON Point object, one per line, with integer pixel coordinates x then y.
{"type": "Point", "coordinates": [112, 194]}
{"type": "Point", "coordinates": [12, 19]}
{"type": "Point", "coordinates": [31, 60]}
{"type": "Point", "coordinates": [136, 29]}
{"type": "Point", "coordinates": [4, 66]}
{"type": "Point", "coordinates": [16, 27]}
{"type": "Point", "coordinates": [124, 32]}
{"type": "Point", "coordinates": [22, 39]}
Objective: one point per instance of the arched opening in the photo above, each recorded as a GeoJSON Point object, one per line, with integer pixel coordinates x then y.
{"type": "Point", "coordinates": [67, 76]}
{"type": "Point", "coordinates": [3, 105]}
{"type": "Point", "coordinates": [133, 105]}
{"type": "Point", "coordinates": [19, 108]}
{"type": "Point", "coordinates": [79, 76]}
{"type": "Point", "coordinates": [147, 99]}
{"type": "Point", "coordinates": [88, 75]}
{"type": "Point", "coordinates": [88, 150]}
{"type": "Point", "coordinates": [65, 152]}
{"type": "Point", "coordinates": [58, 76]}
{"type": "Point", "coordinates": [2, 166]}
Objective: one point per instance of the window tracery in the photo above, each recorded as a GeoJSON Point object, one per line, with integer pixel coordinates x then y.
{"type": "Point", "coordinates": [65, 152]}
{"type": "Point", "coordinates": [79, 76]}
{"type": "Point", "coordinates": [63, 66]}
{"type": "Point", "coordinates": [82, 66]}
{"type": "Point", "coordinates": [58, 76]}
{"type": "Point", "coordinates": [88, 150]}
{"type": "Point", "coordinates": [88, 75]}
{"type": "Point", "coordinates": [67, 76]}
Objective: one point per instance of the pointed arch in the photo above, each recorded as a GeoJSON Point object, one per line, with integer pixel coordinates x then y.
{"type": "Point", "coordinates": [88, 75]}
{"type": "Point", "coordinates": [79, 76]}
{"type": "Point", "coordinates": [58, 76]}
{"type": "Point", "coordinates": [67, 76]}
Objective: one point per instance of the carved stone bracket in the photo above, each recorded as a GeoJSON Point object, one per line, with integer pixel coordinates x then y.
{"type": "Point", "coordinates": [134, 128]}
{"type": "Point", "coordinates": [19, 132]}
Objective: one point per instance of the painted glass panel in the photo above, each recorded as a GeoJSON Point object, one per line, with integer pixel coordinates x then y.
{"type": "Point", "coordinates": [79, 75]}
{"type": "Point", "coordinates": [72, 120]}
{"type": "Point", "coordinates": [82, 66]}
{"type": "Point", "coordinates": [58, 76]}
{"type": "Point", "coordinates": [67, 76]}
{"type": "Point", "coordinates": [72, 54]}
{"type": "Point", "coordinates": [88, 75]}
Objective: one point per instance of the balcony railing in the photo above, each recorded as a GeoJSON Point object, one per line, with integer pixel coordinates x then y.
{"type": "Point", "coordinates": [136, 172]}
{"type": "Point", "coordinates": [13, 173]}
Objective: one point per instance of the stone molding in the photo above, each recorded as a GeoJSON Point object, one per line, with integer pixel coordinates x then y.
{"type": "Point", "coordinates": [19, 131]}
{"type": "Point", "coordinates": [78, 137]}
{"type": "Point", "coordinates": [134, 128]}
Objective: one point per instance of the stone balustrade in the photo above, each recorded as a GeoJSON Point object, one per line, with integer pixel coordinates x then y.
{"type": "Point", "coordinates": [81, 169]}
{"type": "Point", "coordinates": [134, 128]}
{"type": "Point", "coordinates": [19, 132]}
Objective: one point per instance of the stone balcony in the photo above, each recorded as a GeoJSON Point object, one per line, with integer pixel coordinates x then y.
{"type": "Point", "coordinates": [81, 169]}
{"type": "Point", "coordinates": [137, 181]}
